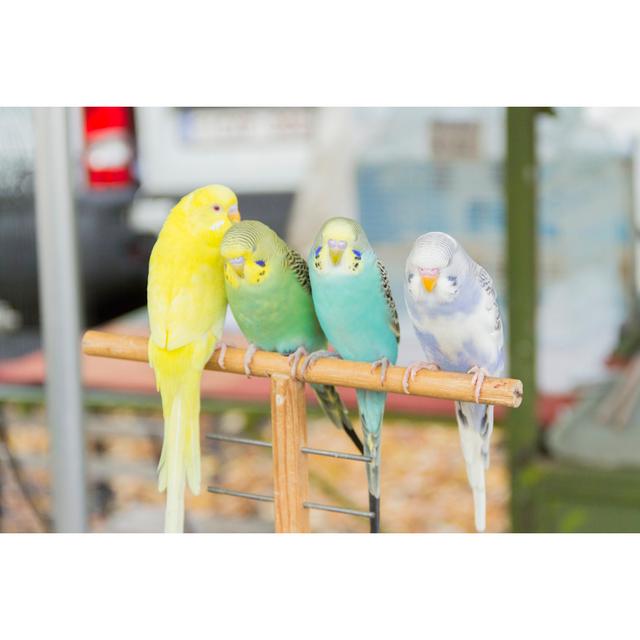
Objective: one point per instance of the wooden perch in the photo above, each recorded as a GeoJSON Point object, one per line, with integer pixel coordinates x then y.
{"type": "Point", "coordinates": [288, 411]}
{"type": "Point", "coordinates": [504, 392]}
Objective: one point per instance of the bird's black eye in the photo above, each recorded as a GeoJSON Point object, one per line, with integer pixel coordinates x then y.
{"type": "Point", "coordinates": [217, 207]}
{"type": "Point", "coordinates": [260, 263]}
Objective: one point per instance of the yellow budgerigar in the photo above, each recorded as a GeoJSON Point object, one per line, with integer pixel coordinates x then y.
{"type": "Point", "coordinates": [187, 304]}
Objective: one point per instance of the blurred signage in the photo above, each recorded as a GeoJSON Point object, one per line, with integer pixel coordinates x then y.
{"type": "Point", "coordinates": [455, 141]}
{"type": "Point", "coordinates": [255, 125]}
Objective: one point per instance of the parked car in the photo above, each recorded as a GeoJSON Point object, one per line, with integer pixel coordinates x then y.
{"type": "Point", "coordinates": [113, 258]}
{"type": "Point", "coordinates": [261, 153]}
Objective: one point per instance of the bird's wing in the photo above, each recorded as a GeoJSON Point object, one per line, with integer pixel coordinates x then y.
{"type": "Point", "coordinates": [394, 324]}
{"type": "Point", "coordinates": [487, 330]}
{"type": "Point", "coordinates": [298, 265]}
{"type": "Point", "coordinates": [186, 299]}
{"type": "Point", "coordinates": [490, 299]}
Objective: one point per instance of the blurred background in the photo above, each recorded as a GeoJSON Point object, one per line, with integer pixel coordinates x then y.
{"type": "Point", "coordinates": [545, 199]}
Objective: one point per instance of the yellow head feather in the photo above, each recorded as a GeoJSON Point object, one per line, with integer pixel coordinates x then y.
{"type": "Point", "coordinates": [340, 244]}
{"type": "Point", "coordinates": [207, 212]}
{"type": "Point", "coordinates": [248, 252]}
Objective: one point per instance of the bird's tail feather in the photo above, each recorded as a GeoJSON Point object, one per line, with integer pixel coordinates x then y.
{"type": "Point", "coordinates": [372, 448]}
{"type": "Point", "coordinates": [480, 506]}
{"type": "Point", "coordinates": [475, 424]}
{"type": "Point", "coordinates": [332, 405]}
{"type": "Point", "coordinates": [180, 458]}
{"type": "Point", "coordinates": [371, 405]}
{"type": "Point", "coordinates": [172, 470]}
{"type": "Point", "coordinates": [179, 386]}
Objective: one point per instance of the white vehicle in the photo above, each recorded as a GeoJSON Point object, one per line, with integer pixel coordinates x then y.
{"type": "Point", "coordinates": [261, 153]}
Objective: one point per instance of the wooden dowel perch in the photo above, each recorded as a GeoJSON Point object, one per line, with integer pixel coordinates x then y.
{"type": "Point", "coordinates": [504, 392]}
{"type": "Point", "coordinates": [288, 410]}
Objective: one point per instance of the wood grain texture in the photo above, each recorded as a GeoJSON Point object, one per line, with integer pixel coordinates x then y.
{"type": "Point", "coordinates": [290, 474]}
{"type": "Point", "coordinates": [505, 392]}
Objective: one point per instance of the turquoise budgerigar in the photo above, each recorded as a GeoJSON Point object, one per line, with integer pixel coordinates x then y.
{"type": "Point", "coordinates": [353, 300]}
{"type": "Point", "coordinates": [267, 286]}
{"type": "Point", "coordinates": [452, 303]}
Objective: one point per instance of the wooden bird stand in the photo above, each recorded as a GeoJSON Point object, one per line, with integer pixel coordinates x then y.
{"type": "Point", "coordinates": [290, 473]}
{"type": "Point", "coordinates": [288, 410]}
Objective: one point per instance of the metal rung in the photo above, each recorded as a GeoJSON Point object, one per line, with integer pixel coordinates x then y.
{"type": "Point", "coordinates": [219, 436]}
{"type": "Point", "coordinates": [240, 494]}
{"type": "Point", "coordinates": [307, 505]}
{"type": "Point", "coordinates": [349, 512]}
{"type": "Point", "coordinates": [309, 450]}
{"type": "Point", "coordinates": [336, 454]}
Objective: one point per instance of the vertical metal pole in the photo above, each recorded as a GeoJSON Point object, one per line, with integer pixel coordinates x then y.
{"type": "Point", "coordinates": [60, 317]}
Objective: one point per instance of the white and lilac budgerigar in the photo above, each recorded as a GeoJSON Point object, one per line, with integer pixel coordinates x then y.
{"type": "Point", "coordinates": [452, 304]}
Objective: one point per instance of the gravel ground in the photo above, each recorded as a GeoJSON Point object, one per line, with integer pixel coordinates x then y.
{"type": "Point", "coordinates": [424, 486]}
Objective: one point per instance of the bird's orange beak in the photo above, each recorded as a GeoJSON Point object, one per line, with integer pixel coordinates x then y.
{"type": "Point", "coordinates": [429, 283]}
{"type": "Point", "coordinates": [234, 213]}
{"type": "Point", "coordinates": [429, 278]}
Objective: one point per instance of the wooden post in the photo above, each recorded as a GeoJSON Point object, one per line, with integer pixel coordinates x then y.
{"type": "Point", "coordinates": [521, 200]}
{"type": "Point", "coordinates": [290, 474]}
{"type": "Point", "coordinates": [521, 269]}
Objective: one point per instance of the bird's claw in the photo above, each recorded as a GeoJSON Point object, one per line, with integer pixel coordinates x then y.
{"type": "Point", "coordinates": [413, 368]}
{"type": "Point", "coordinates": [479, 374]}
{"type": "Point", "coordinates": [294, 360]}
{"type": "Point", "coordinates": [222, 347]}
{"type": "Point", "coordinates": [316, 355]}
{"type": "Point", "coordinates": [248, 357]}
{"type": "Point", "coordinates": [383, 363]}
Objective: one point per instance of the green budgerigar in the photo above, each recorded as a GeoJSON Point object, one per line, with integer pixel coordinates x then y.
{"type": "Point", "coordinates": [269, 293]}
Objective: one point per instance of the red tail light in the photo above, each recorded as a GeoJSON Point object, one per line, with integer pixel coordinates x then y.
{"type": "Point", "coordinates": [109, 146]}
